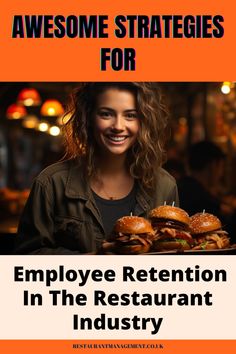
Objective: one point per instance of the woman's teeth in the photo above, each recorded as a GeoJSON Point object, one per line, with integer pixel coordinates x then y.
{"type": "Point", "coordinates": [117, 138]}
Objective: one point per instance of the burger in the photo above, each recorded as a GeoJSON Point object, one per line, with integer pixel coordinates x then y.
{"type": "Point", "coordinates": [171, 225]}
{"type": "Point", "coordinates": [207, 232]}
{"type": "Point", "coordinates": [132, 235]}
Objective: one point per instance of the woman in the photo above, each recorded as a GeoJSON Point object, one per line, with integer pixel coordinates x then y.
{"type": "Point", "coordinates": [114, 150]}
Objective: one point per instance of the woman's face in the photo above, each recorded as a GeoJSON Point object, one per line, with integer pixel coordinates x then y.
{"type": "Point", "coordinates": [116, 122]}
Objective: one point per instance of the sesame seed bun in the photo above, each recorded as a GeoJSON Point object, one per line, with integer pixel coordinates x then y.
{"type": "Point", "coordinates": [170, 213]}
{"type": "Point", "coordinates": [204, 222]}
{"type": "Point", "coordinates": [133, 225]}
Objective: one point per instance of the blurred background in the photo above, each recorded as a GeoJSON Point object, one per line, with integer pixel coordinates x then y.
{"type": "Point", "coordinates": [30, 136]}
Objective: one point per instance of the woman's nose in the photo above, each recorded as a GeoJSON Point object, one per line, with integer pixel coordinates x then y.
{"type": "Point", "coordinates": [118, 123]}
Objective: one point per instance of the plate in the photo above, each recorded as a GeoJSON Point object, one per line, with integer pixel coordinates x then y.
{"type": "Point", "coordinates": [231, 250]}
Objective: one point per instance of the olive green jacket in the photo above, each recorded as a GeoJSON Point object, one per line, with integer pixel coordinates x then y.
{"type": "Point", "coordinates": [61, 216]}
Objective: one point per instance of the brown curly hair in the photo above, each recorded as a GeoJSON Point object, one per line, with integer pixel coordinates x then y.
{"type": "Point", "coordinates": [146, 155]}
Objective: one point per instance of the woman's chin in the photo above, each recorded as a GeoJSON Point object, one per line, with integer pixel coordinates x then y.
{"type": "Point", "coordinates": [116, 151]}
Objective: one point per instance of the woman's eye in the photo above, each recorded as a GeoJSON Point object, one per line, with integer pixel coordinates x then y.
{"type": "Point", "coordinates": [131, 115]}
{"type": "Point", "coordinates": [104, 114]}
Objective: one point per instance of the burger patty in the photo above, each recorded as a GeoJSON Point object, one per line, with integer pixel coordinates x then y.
{"type": "Point", "coordinates": [172, 239]}
{"type": "Point", "coordinates": [171, 245]}
{"type": "Point", "coordinates": [159, 223]}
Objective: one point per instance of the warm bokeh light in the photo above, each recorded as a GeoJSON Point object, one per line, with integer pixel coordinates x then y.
{"type": "Point", "coordinates": [225, 88]}
{"type": "Point", "coordinates": [54, 130]}
{"type": "Point", "coordinates": [183, 120]}
{"type": "Point", "coordinates": [16, 111]}
{"type": "Point", "coordinates": [30, 122]}
{"type": "Point", "coordinates": [43, 127]}
{"type": "Point", "coordinates": [29, 97]}
{"type": "Point", "coordinates": [52, 108]}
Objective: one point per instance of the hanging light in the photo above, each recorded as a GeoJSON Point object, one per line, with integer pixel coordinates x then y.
{"type": "Point", "coordinates": [52, 108]}
{"type": "Point", "coordinates": [29, 97]}
{"type": "Point", "coordinates": [16, 111]}
{"type": "Point", "coordinates": [226, 87]}
{"type": "Point", "coordinates": [30, 122]}
{"type": "Point", "coordinates": [54, 130]}
{"type": "Point", "coordinates": [43, 127]}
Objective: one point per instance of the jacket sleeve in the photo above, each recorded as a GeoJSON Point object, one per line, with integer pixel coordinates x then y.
{"type": "Point", "coordinates": [173, 196]}
{"type": "Point", "coordinates": [167, 191]}
{"type": "Point", "coordinates": [36, 226]}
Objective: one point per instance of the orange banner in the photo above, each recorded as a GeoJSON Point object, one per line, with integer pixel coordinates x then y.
{"type": "Point", "coordinates": [164, 347]}
{"type": "Point", "coordinates": [72, 58]}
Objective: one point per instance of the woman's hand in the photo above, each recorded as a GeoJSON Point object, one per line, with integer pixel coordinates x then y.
{"type": "Point", "coordinates": [106, 248]}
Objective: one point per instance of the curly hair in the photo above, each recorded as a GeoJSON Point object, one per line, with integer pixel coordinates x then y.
{"type": "Point", "coordinates": [146, 155]}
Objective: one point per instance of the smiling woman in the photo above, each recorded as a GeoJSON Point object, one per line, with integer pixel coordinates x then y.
{"type": "Point", "coordinates": [114, 150]}
{"type": "Point", "coordinates": [116, 122]}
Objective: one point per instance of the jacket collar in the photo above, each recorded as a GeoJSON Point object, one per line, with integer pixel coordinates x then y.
{"type": "Point", "coordinates": [77, 187]}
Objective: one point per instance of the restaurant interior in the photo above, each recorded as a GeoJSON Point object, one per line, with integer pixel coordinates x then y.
{"type": "Point", "coordinates": [32, 115]}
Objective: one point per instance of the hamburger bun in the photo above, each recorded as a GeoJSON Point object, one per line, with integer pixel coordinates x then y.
{"type": "Point", "coordinates": [171, 225]}
{"type": "Point", "coordinates": [201, 223]}
{"type": "Point", "coordinates": [168, 212]}
{"type": "Point", "coordinates": [132, 235]}
{"type": "Point", "coordinates": [171, 246]}
{"type": "Point", "coordinates": [132, 249]}
{"type": "Point", "coordinates": [207, 246]}
{"type": "Point", "coordinates": [133, 225]}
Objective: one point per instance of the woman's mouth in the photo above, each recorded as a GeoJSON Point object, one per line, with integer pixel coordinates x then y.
{"type": "Point", "coordinates": [117, 138]}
